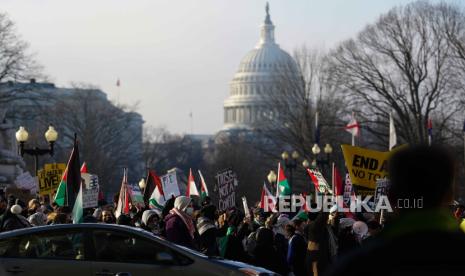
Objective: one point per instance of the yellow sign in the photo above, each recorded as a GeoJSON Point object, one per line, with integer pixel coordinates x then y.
{"type": "Point", "coordinates": [365, 166]}
{"type": "Point", "coordinates": [50, 177]}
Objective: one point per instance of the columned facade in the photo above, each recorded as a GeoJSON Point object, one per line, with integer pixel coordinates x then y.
{"type": "Point", "coordinates": [258, 74]}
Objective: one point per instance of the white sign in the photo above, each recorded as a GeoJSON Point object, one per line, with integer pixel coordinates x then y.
{"type": "Point", "coordinates": [246, 207]}
{"type": "Point", "coordinates": [382, 188]}
{"type": "Point", "coordinates": [347, 190]}
{"type": "Point", "coordinates": [26, 181]}
{"type": "Point", "coordinates": [170, 185]}
{"type": "Point", "coordinates": [90, 191]}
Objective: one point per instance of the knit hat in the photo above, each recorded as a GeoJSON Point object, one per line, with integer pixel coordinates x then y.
{"type": "Point", "coordinates": [283, 220]}
{"type": "Point", "coordinates": [360, 228]}
{"type": "Point", "coordinates": [346, 222]}
{"type": "Point", "coordinates": [147, 214]}
{"type": "Point", "coordinates": [37, 219]}
{"type": "Point", "coordinates": [16, 209]}
{"type": "Point", "coordinates": [182, 202]}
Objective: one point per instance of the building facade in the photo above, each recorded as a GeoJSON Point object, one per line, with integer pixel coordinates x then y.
{"type": "Point", "coordinates": [260, 72]}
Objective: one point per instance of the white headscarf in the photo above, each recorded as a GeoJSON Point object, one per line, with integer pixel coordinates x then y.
{"type": "Point", "coordinates": [181, 203]}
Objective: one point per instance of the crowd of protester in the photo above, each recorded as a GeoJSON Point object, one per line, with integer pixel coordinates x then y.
{"type": "Point", "coordinates": [307, 243]}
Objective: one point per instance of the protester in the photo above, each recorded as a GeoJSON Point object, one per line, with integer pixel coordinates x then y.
{"type": "Point", "coordinates": [231, 246]}
{"type": "Point", "coordinates": [265, 254]}
{"type": "Point", "coordinates": [297, 248]}
{"type": "Point", "coordinates": [179, 226]}
{"type": "Point", "coordinates": [208, 231]}
{"type": "Point", "coordinates": [151, 221]}
{"type": "Point", "coordinates": [107, 217]}
{"type": "Point", "coordinates": [419, 239]}
{"type": "Point", "coordinates": [280, 237]}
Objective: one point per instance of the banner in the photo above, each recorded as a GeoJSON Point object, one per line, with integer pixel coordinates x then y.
{"type": "Point", "coordinates": [50, 177]}
{"type": "Point", "coordinates": [170, 187]}
{"type": "Point", "coordinates": [90, 190]}
{"type": "Point", "coordinates": [226, 182]}
{"type": "Point", "coordinates": [365, 167]}
{"type": "Point", "coordinates": [319, 181]}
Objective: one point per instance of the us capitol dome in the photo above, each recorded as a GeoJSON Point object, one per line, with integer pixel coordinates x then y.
{"type": "Point", "coordinates": [258, 74]}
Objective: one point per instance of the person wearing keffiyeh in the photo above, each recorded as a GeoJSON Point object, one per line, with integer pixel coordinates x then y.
{"type": "Point", "coordinates": [179, 226]}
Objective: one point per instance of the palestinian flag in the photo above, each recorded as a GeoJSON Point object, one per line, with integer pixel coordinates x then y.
{"type": "Point", "coordinates": [267, 200]}
{"type": "Point", "coordinates": [203, 187]}
{"type": "Point", "coordinates": [71, 180]}
{"type": "Point", "coordinates": [124, 196]}
{"type": "Point", "coordinates": [283, 187]}
{"type": "Point", "coordinates": [157, 198]}
{"type": "Point", "coordinates": [78, 210]}
{"type": "Point", "coordinates": [84, 168]}
{"type": "Point", "coordinates": [151, 182]}
{"type": "Point", "coordinates": [191, 187]}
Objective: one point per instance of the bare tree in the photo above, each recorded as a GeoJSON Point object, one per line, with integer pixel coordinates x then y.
{"type": "Point", "coordinates": [402, 63]}
{"type": "Point", "coordinates": [110, 137]}
{"type": "Point", "coordinates": [16, 63]}
{"type": "Point", "coordinates": [293, 100]}
{"type": "Point", "coordinates": [164, 151]}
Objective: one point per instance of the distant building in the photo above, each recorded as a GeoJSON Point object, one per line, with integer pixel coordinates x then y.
{"type": "Point", "coordinates": [259, 73]}
{"type": "Point", "coordinates": [29, 105]}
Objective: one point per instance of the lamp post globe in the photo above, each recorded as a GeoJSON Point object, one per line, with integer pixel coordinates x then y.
{"type": "Point", "coordinates": [295, 155]}
{"type": "Point", "coordinates": [316, 149]}
{"type": "Point", "coordinates": [305, 163]}
{"type": "Point", "coordinates": [285, 155]}
{"type": "Point", "coordinates": [142, 184]}
{"type": "Point", "coordinates": [51, 135]}
{"type": "Point", "coordinates": [328, 149]}
{"type": "Point", "coordinates": [272, 176]}
{"type": "Point", "coordinates": [22, 135]}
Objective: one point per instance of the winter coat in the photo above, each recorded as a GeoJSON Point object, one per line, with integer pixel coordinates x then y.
{"type": "Point", "coordinates": [176, 231]}
{"type": "Point", "coordinates": [208, 233]}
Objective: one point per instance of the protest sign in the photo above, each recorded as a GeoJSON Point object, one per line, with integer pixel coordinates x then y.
{"type": "Point", "coordinates": [136, 196]}
{"type": "Point", "coordinates": [246, 207]}
{"type": "Point", "coordinates": [50, 177]}
{"type": "Point", "coordinates": [347, 191]}
{"type": "Point", "coordinates": [169, 184]}
{"type": "Point", "coordinates": [226, 182]}
{"type": "Point", "coordinates": [382, 188]}
{"type": "Point", "coordinates": [90, 190]}
{"type": "Point", "coordinates": [365, 167]}
{"type": "Point", "coordinates": [319, 181]}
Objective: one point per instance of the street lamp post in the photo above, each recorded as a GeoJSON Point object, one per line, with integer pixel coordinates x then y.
{"type": "Point", "coordinates": [272, 179]}
{"type": "Point", "coordinates": [22, 135]}
{"type": "Point", "coordinates": [290, 164]}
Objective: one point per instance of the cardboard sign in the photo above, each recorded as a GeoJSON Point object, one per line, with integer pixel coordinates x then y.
{"type": "Point", "coordinates": [90, 191]}
{"type": "Point", "coordinates": [365, 166]}
{"type": "Point", "coordinates": [347, 191]}
{"type": "Point", "coordinates": [382, 188]}
{"type": "Point", "coordinates": [50, 177]}
{"type": "Point", "coordinates": [137, 198]}
{"type": "Point", "coordinates": [226, 182]}
{"type": "Point", "coordinates": [27, 182]}
{"type": "Point", "coordinates": [169, 182]}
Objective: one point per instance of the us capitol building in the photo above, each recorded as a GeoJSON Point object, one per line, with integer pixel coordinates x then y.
{"type": "Point", "coordinates": [258, 74]}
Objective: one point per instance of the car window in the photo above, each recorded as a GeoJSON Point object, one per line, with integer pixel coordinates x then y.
{"type": "Point", "coordinates": [115, 246]}
{"type": "Point", "coordinates": [46, 245]}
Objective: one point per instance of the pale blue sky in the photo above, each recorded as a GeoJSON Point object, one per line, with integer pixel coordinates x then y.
{"type": "Point", "coordinates": [175, 56]}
